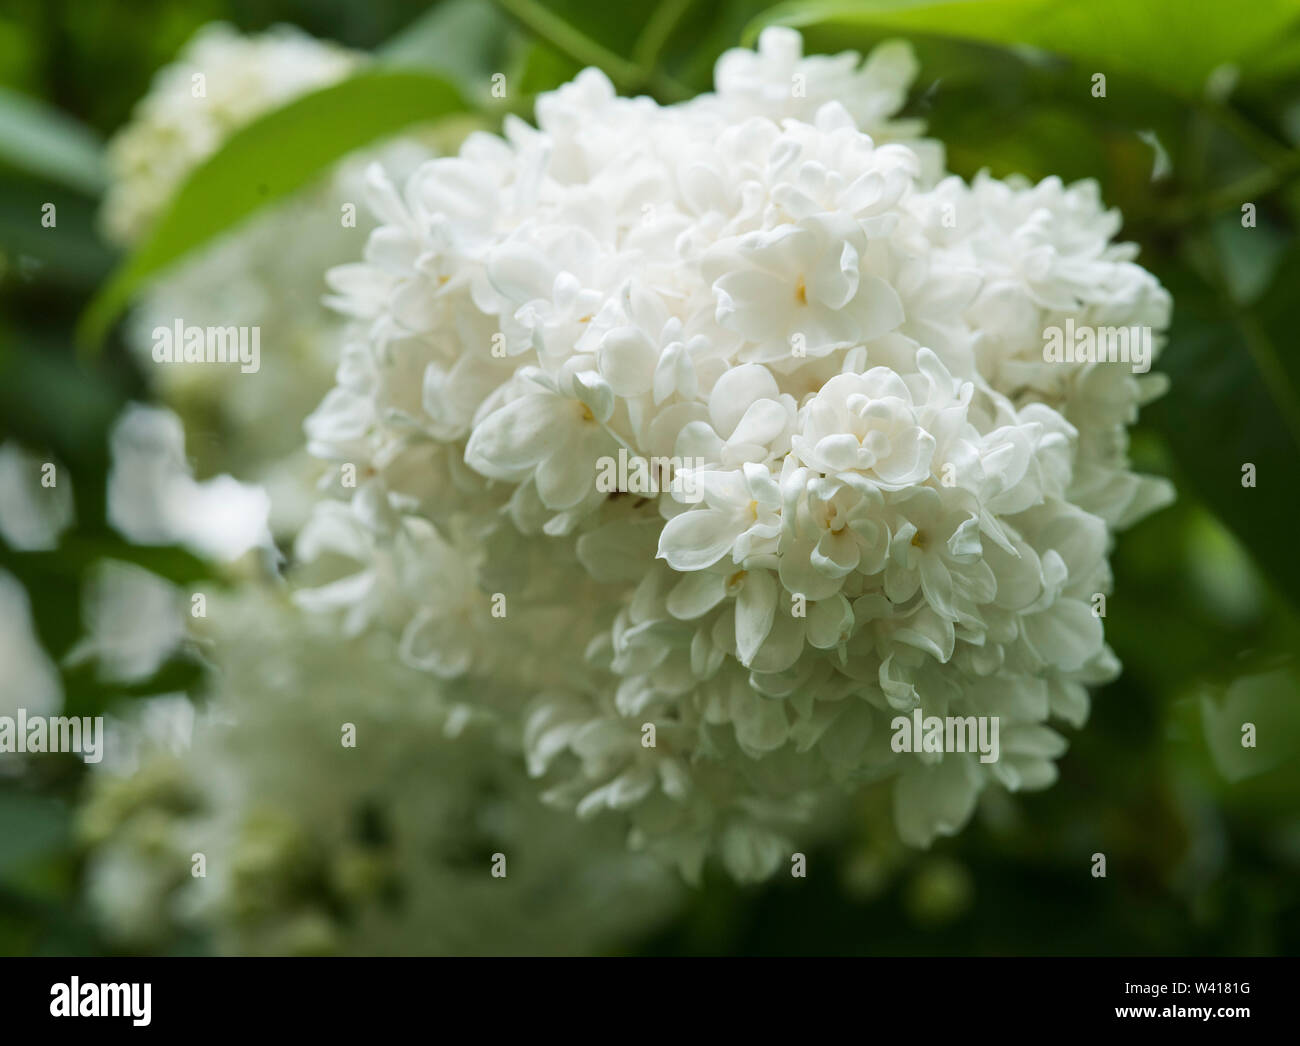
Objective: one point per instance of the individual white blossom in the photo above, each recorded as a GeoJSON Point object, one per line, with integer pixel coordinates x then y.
{"type": "Point", "coordinates": [30, 679]}
{"type": "Point", "coordinates": [35, 507]}
{"type": "Point", "coordinates": [153, 498]}
{"type": "Point", "coordinates": [884, 496]}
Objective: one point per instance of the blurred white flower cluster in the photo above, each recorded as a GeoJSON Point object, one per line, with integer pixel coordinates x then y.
{"type": "Point", "coordinates": [132, 619]}
{"type": "Point", "coordinates": [774, 289]}
{"type": "Point", "coordinates": [309, 845]}
{"type": "Point", "coordinates": [219, 82]}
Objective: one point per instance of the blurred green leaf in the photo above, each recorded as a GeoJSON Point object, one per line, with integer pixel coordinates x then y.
{"type": "Point", "coordinates": [40, 140]}
{"type": "Point", "coordinates": [1263, 700]}
{"type": "Point", "coordinates": [1233, 401]}
{"type": "Point", "coordinates": [1176, 43]}
{"type": "Point", "coordinates": [48, 401]}
{"type": "Point", "coordinates": [1281, 61]}
{"type": "Point", "coordinates": [87, 694]}
{"type": "Point", "coordinates": [268, 159]}
{"type": "Point", "coordinates": [54, 578]}
{"type": "Point", "coordinates": [77, 553]}
{"type": "Point", "coordinates": [31, 826]}
{"type": "Point", "coordinates": [993, 109]}
{"type": "Point", "coordinates": [69, 253]}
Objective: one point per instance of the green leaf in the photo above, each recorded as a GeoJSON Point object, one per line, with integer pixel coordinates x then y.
{"type": "Point", "coordinates": [267, 160]}
{"type": "Point", "coordinates": [42, 141]}
{"type": "Point", "coordinates": [1175, 43]}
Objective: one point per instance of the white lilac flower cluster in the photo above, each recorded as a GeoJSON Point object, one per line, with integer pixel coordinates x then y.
{"type": "Point", "coordinates": [313, 846]}
{"type": "Point", "coordinates": [883, 497]}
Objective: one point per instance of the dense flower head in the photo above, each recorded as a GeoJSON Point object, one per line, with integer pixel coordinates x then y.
{"type": "Point", "coordinates": [876, 492]}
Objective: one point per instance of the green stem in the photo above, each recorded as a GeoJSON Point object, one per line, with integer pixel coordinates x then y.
{"type": "Point", "coordinates": [1243, 190]}
{"type": "Point", "coordinates": [628, 76]}
{"type": "Point", "coordinates": [1263, 351]}
{"type": "Point", "coordinates": [572, 42]}
{"type": "Point", "coordinates": [654, 36]}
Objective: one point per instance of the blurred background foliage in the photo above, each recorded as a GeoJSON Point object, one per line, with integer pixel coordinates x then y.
{"type": "Point", "coordinates": [1201, 115]}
